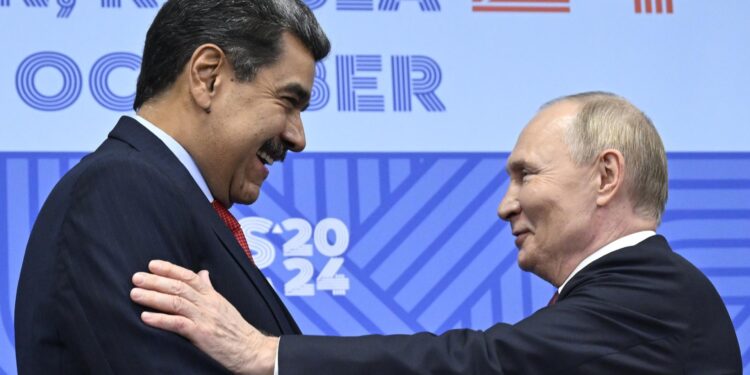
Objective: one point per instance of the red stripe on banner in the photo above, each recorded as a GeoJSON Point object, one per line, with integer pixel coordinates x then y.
{"type": "Point", "coordinates": [670, 7]}
{"type": "Point", "coordinates": [530, 1]}
{"type": "Point", "coordinates": [638, 6]}
{"type": "Point", "coordinates": [658, 6]}
{"type": "Point", "coordinates": [649, 6]}
{"type": "Point", "coordinates": [490, 8]}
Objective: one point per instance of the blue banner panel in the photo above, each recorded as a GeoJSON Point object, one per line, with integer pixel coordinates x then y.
{"type": "Point", "coordinates": [360, 243]}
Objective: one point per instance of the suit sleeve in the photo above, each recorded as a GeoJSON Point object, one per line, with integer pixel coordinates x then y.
{"type": "Point", "coordinates": [454, 352]}
{"type": "Point", "coordinates": [576, 336]}
{"type": "Point", "coordinates": [124, 213]}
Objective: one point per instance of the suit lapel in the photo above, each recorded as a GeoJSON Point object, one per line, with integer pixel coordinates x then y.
{"type": "Point", "coordinates": [130, 131]}
{"type": "Point", "coordinates": [251, 271]}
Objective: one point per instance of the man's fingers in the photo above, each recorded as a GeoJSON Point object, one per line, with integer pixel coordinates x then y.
{"type": "Point", "coordinates": [173, 271]}
{"type": "Point", "coordinates": [204, 277]}
{"type": "Point", "coordinates": [173, 323]}
{"type": "Point", "coordinates": [165, 285]}
{"type": "Point", "coordinates": [164, 302]}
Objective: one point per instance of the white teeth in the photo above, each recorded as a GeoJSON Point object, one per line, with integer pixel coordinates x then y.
{"type": "Point", "coordinates": [263, 156]}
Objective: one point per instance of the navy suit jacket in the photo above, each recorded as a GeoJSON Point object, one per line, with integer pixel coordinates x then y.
{"type": "Point", "coordinates": [640, 310]}
{"type": "Point", "coordinates": [127, 203]}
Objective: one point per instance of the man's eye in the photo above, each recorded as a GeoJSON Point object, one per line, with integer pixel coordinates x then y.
{"type": "Point", "coordinates": [292, 101]}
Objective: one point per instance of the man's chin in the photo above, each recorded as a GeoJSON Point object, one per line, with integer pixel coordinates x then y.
{"type": "Point", "coordinates": [524, 262]}
{"type": "Point", "coordinates": [248, 196]}
{"type": "Point", "coordinates": [247, 201]}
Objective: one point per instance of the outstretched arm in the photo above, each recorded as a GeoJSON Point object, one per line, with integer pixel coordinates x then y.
{"type": "Point", "coordinates": [191, 307]}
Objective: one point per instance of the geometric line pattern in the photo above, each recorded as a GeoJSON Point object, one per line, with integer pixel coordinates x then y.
{"type": "Point", "coordinates": [426, 250]}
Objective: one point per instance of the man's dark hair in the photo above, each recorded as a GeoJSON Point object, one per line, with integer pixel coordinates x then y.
{"type": "Point", "coordinates": [248, 31]}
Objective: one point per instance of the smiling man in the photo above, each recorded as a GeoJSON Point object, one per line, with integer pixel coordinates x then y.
{"type": "Point", "coordinates": [588, 186]}
{"type": "Point", "coordinates": [219, 97]}
{"type": "Point", "coordinates": [572, 190]}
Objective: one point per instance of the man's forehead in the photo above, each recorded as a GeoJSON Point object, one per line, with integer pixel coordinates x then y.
{"type": "Point", "coordinates": [549, 124]}
{"type": "Point", "coordinates": [546, 128]}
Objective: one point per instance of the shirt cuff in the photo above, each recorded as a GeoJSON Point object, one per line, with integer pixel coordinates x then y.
{"type": "Point", "coordinates": [276, 361]}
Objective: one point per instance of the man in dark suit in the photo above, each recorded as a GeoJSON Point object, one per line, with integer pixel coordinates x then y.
{"type": "Point", "coordinates": [588, 185]}
{"type": "Point", "coordinates": [219, 97]}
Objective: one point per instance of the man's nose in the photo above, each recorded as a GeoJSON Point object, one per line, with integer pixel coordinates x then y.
{"type": "Point", "coordinates": [509, 205]}
{"type": "Point", "coordinates": [294, 135]}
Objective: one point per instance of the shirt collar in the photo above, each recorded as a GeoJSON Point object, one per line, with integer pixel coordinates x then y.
{"type": "Point", "coordinates": [620, 243]}
{"type": "Point", "coordinates": [182, 155]}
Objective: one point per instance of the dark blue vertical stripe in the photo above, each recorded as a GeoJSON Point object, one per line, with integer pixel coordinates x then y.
{"type": "Point", "coordinates": [526, 293]}
{"type": "Point", "coordinates": [394, 83]}
{"type": "Point", "coordinates": [384, 178]}
{"type": "Point", "coordinates": [354, 219]}
{"type": "Point", "coordinates": [62, 165]}
{"type": "Point", "coordinates": [497, 302]}
{"type": "Point", "coordinates": [406, 83]}
{"type": "Point", "coordinates": [5, 311]}
{"type": "Point", "coordinates": [71, 162]}
{"type": "Point", "coordinates": [289, 182]}
{"type": "Point", "coordinates": [398, 83]}
{"type": "Point", "coordinates": [33, 183]}
{"type": "Point", "coordinates": [403, 78]}
{"type": "Point", "coordinates": [397, 89]}
{"type": "Point", "coordinates": [340, 83]}
{"type": "Point", "coordinates": [321, 185]}
{"type": "Point", "coordinates": [351, 95]}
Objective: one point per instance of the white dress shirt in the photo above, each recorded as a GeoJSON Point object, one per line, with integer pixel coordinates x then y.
{"type": "Point", "coordinates": [180, 153]}
{"type": "Point", "coordinates": [620, 243]}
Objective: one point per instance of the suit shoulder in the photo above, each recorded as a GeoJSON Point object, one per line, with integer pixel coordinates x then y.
{"type": "Point", "coordinates": [122, 165]}
{"type": "Point", "coordinates": [692, 277]}
{"type": "Point", "coordinates": [115, 181]}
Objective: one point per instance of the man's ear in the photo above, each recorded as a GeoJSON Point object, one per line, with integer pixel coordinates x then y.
{"type": "Point", "coordinates": [610, 171]}
{"type": "Point", "coordinates": [203, 73]}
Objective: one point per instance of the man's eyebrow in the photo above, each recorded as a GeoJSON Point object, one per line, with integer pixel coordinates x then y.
{"type": "Point", "coordinates": [515, 165]}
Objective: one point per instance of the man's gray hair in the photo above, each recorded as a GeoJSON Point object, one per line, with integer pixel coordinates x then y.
{"type": "Point", "coordinates": [607, 121]}
{"type": "Point", "coordinates": [248, 31]}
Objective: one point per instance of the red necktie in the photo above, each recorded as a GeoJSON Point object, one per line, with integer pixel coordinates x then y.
{"type": "Point", "coordinates": [553, 300]}
{"type": "Point", "coordinates": [233, 226]}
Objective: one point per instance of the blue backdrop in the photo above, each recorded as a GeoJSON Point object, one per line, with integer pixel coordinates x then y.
{"type": "Point", "coordinates": [387, 224]}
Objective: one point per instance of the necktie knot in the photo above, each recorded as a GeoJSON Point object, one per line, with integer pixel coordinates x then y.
{"type": "Point", "coordinates": [234, 226]}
